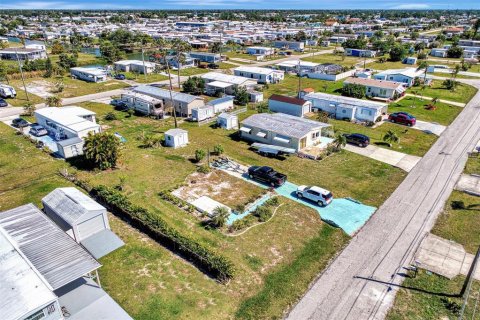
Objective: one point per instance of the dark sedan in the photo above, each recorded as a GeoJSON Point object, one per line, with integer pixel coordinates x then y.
{"type": "Point", "coordinates": [358, 139]}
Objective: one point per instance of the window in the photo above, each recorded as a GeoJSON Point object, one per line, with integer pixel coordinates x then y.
{"type": "Point", "coordinates": [344, 111]}
{"type": "Point", "coordinates": [37, 315]}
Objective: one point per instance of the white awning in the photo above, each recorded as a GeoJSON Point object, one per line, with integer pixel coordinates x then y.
{"type": "Point", "coordinates": [245, 129]}
{"type": "Point", "coordinates": [261, 134]}
{"type": "Point", "coordinates": [282, 140]}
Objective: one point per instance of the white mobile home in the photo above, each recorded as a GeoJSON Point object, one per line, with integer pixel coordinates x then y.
{"type": "Point", "coordinates": [220, 82]}
{"type": "Point", "coordinates": [378, 88]}
{"type": "Point", "coordinates": [406, 76]}
{"type": "Point", "coordinates": [202, 113]}
{"type": "Point", "coordinates": [23, 54]}
{"type": "Point", "coordinates": [263, 51]}
{"type": "Point", "coordinates": [227, 121]}
{"type": "Point", "coordinates": [298, 65]}
{"type": "Point", "coordinates": [438, 52]}
{"type": "Point", "coordinates": [144, 104]}
{"type": "Point", "coordinates": [182, 102]}
{"type": "Point", "coordinates": [221, 104]}
{"type": "Point", "coordinates": [262, 75]}
{"type": "Point", "coordinates": [83, 219]}
{"type": "Point", "coordinates": [282, 130]}
{"type": "Point", "coordinates": [176, 138]}
{"type": "Point", "coordinates": [89, 74]}
{"type": "Point", "coordinates": [291, 45]}
{"type": "Point", "coordinates": [136, 66]}
{"type": "Point", "coordinates": [289, 105]}
{"type": "Point", "coordinates": [347, 108]}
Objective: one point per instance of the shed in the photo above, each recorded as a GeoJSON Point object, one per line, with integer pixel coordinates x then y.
{"type": "Point", "coordinates": [176, 138]}
{"type": "Point", "coordinates": [221, 104]}
{"type": "Point", "coordinates": [255, 96]}
{"type": "Point", "coordinates": [410, 60]}
{"type": "Point", "coordinates": [70, 148]}
{"type": "Point", "coordinates": [83, 219]}
{"type": "Point", "coordinates": [202, 113]}
{"type": "Point", "coordinates": [289, 105]}
{"type": "Point", "coordinates": [227, 121]}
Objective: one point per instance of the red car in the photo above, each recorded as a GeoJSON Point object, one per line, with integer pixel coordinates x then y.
{"type": "Point", "coordinates": [403, 118]}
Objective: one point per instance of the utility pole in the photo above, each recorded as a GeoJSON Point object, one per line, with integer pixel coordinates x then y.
{"type": "Point", "coordinates": [21, 73]}
{"type": "Point", "coordinates": [299, 79]}
{"type": "Point", "coordinates": [143, 60]}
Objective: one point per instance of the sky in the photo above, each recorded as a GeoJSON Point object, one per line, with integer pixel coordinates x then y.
{"type": "Point", "coordinates": [239, 4]}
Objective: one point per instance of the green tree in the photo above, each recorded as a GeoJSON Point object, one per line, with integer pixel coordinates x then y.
{"type": "Point", "coordinates": [354, 90]}
{"type": "Point", "coordinates": [218, 149]}
{"type": "Point", "coordinates": [322, 116]}
{"type": "Point", "coordinates": [391, 137]}
{"type": "Point", "coordinates": [397, 52]}
{"type": "Point", "coordinates": [102, 150]}
{"type": "Point", "coordinates": [241, 96]}
{"type": "Point", "coordinates": [48, 68]}
{"type": "Point", "coordinates": [28, 109]}
{"type": "Point", "coordinates": [216, 47]}
{"type": "Point", "coordinates": [220, 216]}
{"type": "Point", "coordinates": [110, 52]}
{"type": "Point", "coordinates": [455, 52]}
{"type": "Point", "coordinates": [57, 48]}
{"type": "Point", "coordinates": [199, 155]}
{"type": "Point", "coordinates": [194, 85]}
{"type": "Point", "coordinates": [53, 101]}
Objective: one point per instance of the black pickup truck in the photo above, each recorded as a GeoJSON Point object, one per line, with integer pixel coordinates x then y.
{"type": "Point", "coordinates": [267, 175]}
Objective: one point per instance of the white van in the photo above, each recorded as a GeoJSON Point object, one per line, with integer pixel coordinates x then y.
{"type": "Point", "coordinates": [7, 91]}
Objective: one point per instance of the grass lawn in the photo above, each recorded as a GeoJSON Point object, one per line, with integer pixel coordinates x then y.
{"type": "Point", "coordinates": [289, 86]}
{"type": "Point", "coordinates": [21, 98]}
{"type": "Point", "coordinates": [414, 142]}
{"type": "Point", "coordinates": [459, 76]}
{"type": "Point", "coordinates": [191, 71]}
{"type": "Point", "coordinates": [444, 114]}
{"type": "Point", "coordinates": [332, 58]}
{"type": "Point", "coordinates": [140, 78]}
{"type": "Point", "coordinates": [226, 65]}
{"type": "Point", "coordinates": [432, 297]}
{"type": "Point", "coordinates": [463, 93]}
{"type": "Point", "coordinates": [275, 261]}
{"type": "Point", "coordinates": [73, 87]}
{"type": "Point", "coordinates": [388, 65]}
{"type": "Point", "coordinates": [84, 59]}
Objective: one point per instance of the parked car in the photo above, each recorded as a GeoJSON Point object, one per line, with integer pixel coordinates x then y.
{"type": "Point", "coordinates": [3, 103]}
{"type": "Point", "coordinates": [119, 104]}
{"type": "Point", "coordinates": [358, 139]}
{"type": "Point", "coordinates": [267, 175]}
{"type": "Point", "coordinates": [403, 118]}
{"type": "Point", "coordinates": [320, 196]}
{"type": "Point", "coordinates": [38, 131]}
{"type": "Point", "coordinates": [120, 76]}
{"type": "Point", "coordinates": [213, 66]}
{"type": "Point", "coordinates": [20, 123]}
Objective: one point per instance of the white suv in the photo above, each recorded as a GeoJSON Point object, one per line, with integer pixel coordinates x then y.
{"type": "Point", "coordinates": [318, 195]}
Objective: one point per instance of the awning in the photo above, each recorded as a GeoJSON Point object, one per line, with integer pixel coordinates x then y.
{"type": "Point", "coordinates": [261, 134]}
{"type": "Point", "coordinates": [102, 243]}
{"type": "Point", "coordinates": [282, 140]}
{"type": "Point", "coordinates": [245, 129]}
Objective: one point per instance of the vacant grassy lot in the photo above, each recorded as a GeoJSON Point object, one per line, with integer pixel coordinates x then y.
{"type": "Point", "coordinates": [21, 98]}
{"type": "Point", "coordinates": [332, 58]}
{"type": "Point", "coordinates": [140, 78]}
{"type": "Point", "coordinates": [463, 93]}
{"type": "Point", "coordinates": [289, 86]}
{"type": "Point", "coordinates": [84, 59]}
{"type": "Point", "coordinates": [72, 87]}
{"type": "Point", "coordinates": [191, 71]}
{"type": "Point", "coordinates": [444, 114]}
{"type": "Point", "coordinates": [432, 297]}
{"type": "Point", "coordinates": [388, 65]}
{"type": "Point", "coordinates": [414, 142]}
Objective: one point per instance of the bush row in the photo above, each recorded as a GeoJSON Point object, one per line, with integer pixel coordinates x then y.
{"type": "Point", "coordinates": [261, 214]}
{"type": "Point", "coordinates": [182, 204]}
{"type": "Point", "coordinates": [217, 265]}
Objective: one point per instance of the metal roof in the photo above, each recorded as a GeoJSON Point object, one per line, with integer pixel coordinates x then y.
{"type": "Point", "coordinates": [70, 204]}
{"type": "Point", "coordinates": [286, 99]}
{"type": "Point", "coordinates": [69, 117]}
{"type": "Point", "coordinates": [102, 243]}
{"type": "Point", "coordinates": [56, 256]}
{"type": "Point", "coordinates": [217, 76]}
{"type": "Point", "coordinates": [165, 94]}
{"type": "Point", "coordinates": [283, 124]}
{"type": "Point", "coordinates": [374, 83]}
{"type": "Point", "coordinates": [258, 70]}
{"type": "Point", "coordinates": [175, 132]}
{"type": "Point", "coordinates": [220, 100]}
{"type": "Point", "coordinates": [347, 101]}
{"type": "Point", "coordinates": [69, 142]}
{"type": "Point", "coordinates": [22, 288]}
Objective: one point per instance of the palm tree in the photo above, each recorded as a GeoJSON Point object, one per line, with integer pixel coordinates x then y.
{"type": "Point", "coordinates": [390, 137]}
{"type": "Point", "coordinates": [163, 48]}
{"type": "Point", "coordinates": [339, 141]}
{"type": "Point", "coordinates": [220, 216]}
{"type": "Point", "coordinates": [28, 109]}
{"type": "Point", "coordinates": [181, 47]}
{"type": "Point", "coordinates": [102, 149]}
{"type": "Point", "coordinates": [53, 101]}
{"type": "Point", "coordinates": [456, 71]}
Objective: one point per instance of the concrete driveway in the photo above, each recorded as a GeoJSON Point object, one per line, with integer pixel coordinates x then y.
{"type": "Point", "coordinates": [429, 127]}
{"type": "Point", "coordinates": [397, 159]}
{"type": "Point", "coordinates": [469, 184]}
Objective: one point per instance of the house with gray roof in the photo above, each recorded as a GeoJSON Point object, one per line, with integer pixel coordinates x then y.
{"type": "Point", "coordinates": [282, 130]}
{"type": "Point", "coordinates": [182, 102]}
{"type": "Point", "coordinates": [45, 274]}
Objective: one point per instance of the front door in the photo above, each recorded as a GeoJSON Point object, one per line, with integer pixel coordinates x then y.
{"type": "Point", "coordinates": [303, 143]}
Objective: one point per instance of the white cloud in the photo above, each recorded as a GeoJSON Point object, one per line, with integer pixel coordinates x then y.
{"type": "Point", "coordinates": [53, 5]}
{"type": "Point", "coordinates": [412, 6]}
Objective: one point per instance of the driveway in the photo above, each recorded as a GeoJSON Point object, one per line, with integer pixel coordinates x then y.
{"type": "Point", "coordinates": [397, 159]}
{"type": "Point", "coordinates": [469, 184]}
{"type": "Point", "coordinates": [429, 127]}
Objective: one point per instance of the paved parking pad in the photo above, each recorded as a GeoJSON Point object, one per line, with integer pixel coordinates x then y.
{"type": "Point", "coordinates": [430, 127]}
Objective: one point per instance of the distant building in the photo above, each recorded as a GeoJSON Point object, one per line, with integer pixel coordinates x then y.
{"type": "Point", "coordinates": [378, 88]}
{"type": "Point", "coordinates": [206, 57]}
{"type": "Point", "coordinates": [136, 66]}
{"type": "Point", "coordinates": [89, 74]}
{"type": "Point", "coordinates": [360, 53]}
{"type": "Point", "coordinates": [176, 138]}
{"type": "Point", "coordinates": [289, 105]}
{"type": "Point", "coordinates": [23, 54]}
{"type": "Point", "coordinates": [289, 45]}
{"type": "Point", "coordinates": [262, 75]}
{"type": "Point", "coordinates": [263, 51]}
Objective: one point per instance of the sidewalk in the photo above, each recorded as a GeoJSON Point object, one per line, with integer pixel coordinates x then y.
{"type": "Point", "coordinates": [397, 159]}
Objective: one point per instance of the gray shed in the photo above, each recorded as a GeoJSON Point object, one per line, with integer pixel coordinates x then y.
{"type": "Point", "coordinates": [83, 219]}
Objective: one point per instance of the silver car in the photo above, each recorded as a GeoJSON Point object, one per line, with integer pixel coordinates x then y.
{"type": "Point", "coordinates": [38, 131]}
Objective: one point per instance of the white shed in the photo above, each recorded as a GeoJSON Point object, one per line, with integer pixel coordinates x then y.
{"type": "Point", "coordinates": [227, 121]}
{"type": "Point", "coordinates": [202, 113]}
{"type": "Point", "coordinates": [83, 219]}
{"type": "Point", "coordinates": [176, 138]}
{"type": "Point", "coordinates": [221, 104]}
{"type": "Point", "coordinates": [255, 96]}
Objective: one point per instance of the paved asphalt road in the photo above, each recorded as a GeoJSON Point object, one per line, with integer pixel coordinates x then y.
{"type": "Point", "coordinates": [362, 281]}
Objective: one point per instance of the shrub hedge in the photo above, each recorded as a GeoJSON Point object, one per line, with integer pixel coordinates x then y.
{"type": "Point", "coordinates": [217, 265]}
